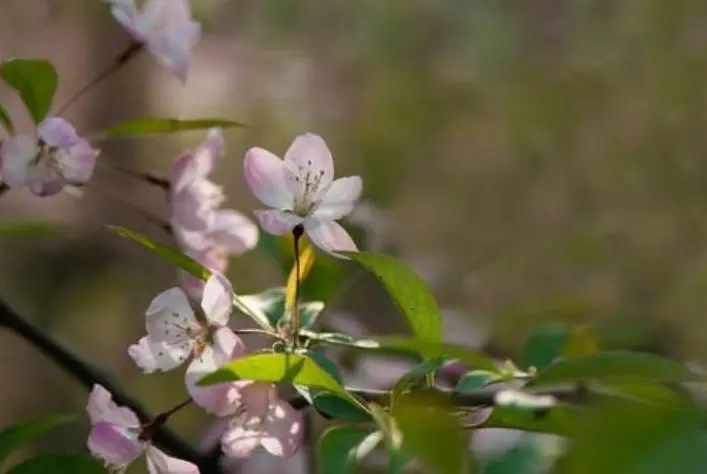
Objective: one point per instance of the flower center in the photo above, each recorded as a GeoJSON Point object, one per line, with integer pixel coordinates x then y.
{"type": "Point", "coordinates": [308, 182]}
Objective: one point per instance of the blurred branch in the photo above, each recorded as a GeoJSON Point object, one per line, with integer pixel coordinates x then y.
{"type": "Point", "coordinates": [3, 188]}
{"type": "Point", "coordinates": [88, 375]}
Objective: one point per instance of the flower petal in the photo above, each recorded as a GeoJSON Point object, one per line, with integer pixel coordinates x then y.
{"type": "Point", "coordinates": [17, 155]}
{"type": "Point", "coordinates": [283, 429]}
{"type": "Point", "coordinates": [170, 317]}
{"type": "Point", "coordinates": [277, 222]}
{"type": "Point", "coordinates": [329, 236]}
{"type": "Point", "coordinates": [101, 407]}
{"type": "Point", "coordinates": [160, 463]}
{"type": "Point", "coordinates": [308, 160]}
{"type": "Point", "coordinates": [265, 176]}
{"type": "Point", "coordinates": [234, 232]}
{"type": "Point", "coordinates": [217, 300]}
{"type": "Point", "coordinates": [57, 132]}
{"type": "Point", "coordinates": [115, 445]}
{"type": "Point", "coordinates": [194, 205]}
{"type": "Point", "coordinates": [340, 198]}
{"type": "Point", "coordinates": [124, 12]}
{"type": "Point", "coordinates": [199, 163]}
{"type": "Point", "coordinates": [151, 355]}
{"type": "Point", "coordinates": [76, 164]}
{"type": "Point", "coordinates": [241, 437]}
{"type": "Point", "coordinates": [256, 396]}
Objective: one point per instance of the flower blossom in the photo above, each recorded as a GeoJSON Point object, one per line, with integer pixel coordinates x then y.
{"type": "Point", "coordinates": [271, 423]}
{"type": "Point", "coordinates": [175, 332]}
{"type": "Point", "coordinates": [117, 438]}
{"type": "Point", "coordinates": [203, 231]}
{"type": "Point", "coordinates": [301, 191]}
{"type": "Point", "coordinates": [56, 157]}
{"type": "Point", "coordinates": [164, 27]}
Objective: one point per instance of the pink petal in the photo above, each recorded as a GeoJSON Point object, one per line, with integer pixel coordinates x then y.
{"type": "Point", "coordinates": [160, 463]}
{"type": "Point", "coordinates": [76, 163]}
{"type": "Point", "coordinates": [283, 429]}
{"type": "Point", "coordinates": [257, 396]}
{"type": "Point", "coordinates": [124, 12]}
{"type": "Point", "coordinates": [194, 205]}
{"type": "Point", "coordinates": [217, 300]}
{"type": "Point", "coordinates": [101, 407]}
{"type": "Point", "coordinates": [265, 176]}
{"type": "Point", "coordinates": [152, 355]}
{"type": "Point", "coordinates": [57, 132]}
{"type": "Point", "coordinates": [241, 437]}
{"type": "Point", "coordinates": [43, 180]}
{"type": "Point", "coordinates": [199, 163]}
{"type": "Point", "coordinates": [329, 236]}
{"type": "Point", "coordinates": [115, 445]}
{"type": "Point", "coordinates": [16, 156]}
{"type": "Point", "coordinates": [169, 309]}
{"type": "Point", "coordinates": [339, 199]}
{"type": "Point", "coordinates": [234, 232]}
{"type": "Point", "coordinates": [277, 222]}
{"type": "Point", "coordinates": [309, 156]}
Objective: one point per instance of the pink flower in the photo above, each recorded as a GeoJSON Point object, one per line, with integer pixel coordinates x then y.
{"type": "Point", "coordinates": [164, 27]}
{"type": "Point", "coordinates": [175, 332]}
{"type": "Point", "coordinates": [271, 423]}
{"type": "Point", "coordinates": [116, 438]}
{"type": "Point", "coordinates": [48, 162]}
{"type": "Point", "coordinates": [300, 190]}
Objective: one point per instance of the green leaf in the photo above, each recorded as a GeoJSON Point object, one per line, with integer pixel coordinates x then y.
{"type": "Point", "coordinates": [614, 366]}
{"type": "Point", "coordinates": [559, 420]}
{"type": "Point", "coordinates": [269, 367]}
{"type": "Point", "coordinates": [60, 463]}
{"type": "Point", "coordinates": [431, 433]}
{"type": "Point", "coordinates": [416, 375]}
{"type": "Point", "coordinates": [6, 121]}
{"type": "Point", "coordinates": [13, 229]}
{"type": "Point", "coordinates": [171, 254]}
{"type": "Point", "coordinates": [341, 448]}
{"type": "Point", "coordinates": [521, 459]}
{"type": "Point", "coordinates": [408, 291]}
{"type": "Point", "coordinates": [27, 431]}
{"type": "Point", "coordinates": [151, 125]}
{"type": "Point", "coordinates": [270, 306]}
{"type": "Point", "coordinates": [544, 346]}
{"type": "Point", "coordinates": [475, 380]}
{"type": "Point", "coordinates": [36, 80]}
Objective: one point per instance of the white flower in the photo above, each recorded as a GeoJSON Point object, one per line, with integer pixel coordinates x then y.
{"type": "Point", "coordinates": [301, 190]}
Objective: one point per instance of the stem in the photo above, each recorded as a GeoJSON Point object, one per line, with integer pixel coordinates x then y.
{"type": "Point", "coordinates": [261, 332]}
{"type": "Point", "coordinates": [165, 226]}
{"type": "Point", "coordinates": [118, 63]}
{"type": "Point", "coordinates": [296, 233]}
{"type": "Point", "coordinates": [3, 188]}
{"type": "Point", "coordinates": [147, 177]}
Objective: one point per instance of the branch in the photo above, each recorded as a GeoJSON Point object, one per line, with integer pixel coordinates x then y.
{"type": "Point", "coordinates": [88, 375]}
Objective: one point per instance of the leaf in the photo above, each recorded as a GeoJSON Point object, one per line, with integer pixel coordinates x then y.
{"type": "Point", "coordinates": [6, 121]}
{"type": "Point", "coordinates": [13, 229]}
{"type": "Point", "coordinates": [580, 341]}
{"type": "Point", "coordinates": [36, 81]}
{"type": "Point", "coordinates": [269, 367]}
{"type": "Point", "coordinates": [560, 420]}
{"type": "Point", "coordinates": [544, 346]}
{"type": "Point", "coordinates": [60, 463]}
{"type": "Point", "coordinates": [431, 433]}
{"type": "Point", "coordinates": [614, 366]}
{"type": "Point", "coordinates": [408, 291]}
{"type": "Point", "coordinates": [475, 380]}
{"type": "Point", "coordinates": [27, 431]}
{"type": "Point", "coordinates": [270, 307]}
{"type": "Point", "coordinates": [416, 375]}
{"type": "Point", "coordinates": [341, 448]}
{"type": "Point", "coordinates": [150, 125]}
{"type": "Point", "coordinates": [168, 253]}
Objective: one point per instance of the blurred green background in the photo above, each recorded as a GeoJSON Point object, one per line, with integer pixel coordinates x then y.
{"type": "Point", "coordinates": [538, 161]}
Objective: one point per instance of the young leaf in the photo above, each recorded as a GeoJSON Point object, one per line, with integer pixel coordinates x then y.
{"type": "Point", "coordinates": [296, 369]}
{"type": "Point", "coordinates": [151, 125]}
{"type": "Point", "coordinates": [60, 463]}
{"type": "Point", "coordinates": [408, 291]}
{"type": "Point", "coordinates": [6, 121]}
{"type": "Point", "coordinates": [614, 366]}
{"type": "Point", "coordinates": [36, 81]}
{"type": "Point", "coordinates": [475, 379]}
{"type": "Point", "coordinates": [543, 346]}
{"type": "Point", "coordinates": [431, 433]}
{"type": "Point", "coordinates": [416, 375]}
{"type": "Point", "coordinates": [341, 448]}
{"type": "Point", "coordinates": [27, 431]}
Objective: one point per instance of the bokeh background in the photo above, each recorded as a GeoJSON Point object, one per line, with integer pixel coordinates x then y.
{"type": "Point", "coordinates": [538, 161]}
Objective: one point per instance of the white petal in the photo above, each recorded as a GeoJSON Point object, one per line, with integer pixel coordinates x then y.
{"type": "Point", "coordinates": [310, 167]}
{"type": "Point", "coordinates": [283, 429]}
{"type": "Point", "coordinates": [170, 317]}
{"type": "Point", "coordinates": [76, 164]}
{"type": "Point", "coordinates": [55, 131]}
{"type": "Point", "coordinates": [329, 236]}
{"type": "Point", "coordinates": [199, 163]}
{"type": "Point", "coordinates": [161, 463]}
{"type": "Point", "coordinates": [17, 154]}
{"type": "Point", "coordinates": [234, 232]}
{"type": "Point", "coordinates": [265, 176]}
{"type": "Point", "coordinates": [217, 300]}
{"type": "Point", "coordinates": [277, 222]}
{"type": "Point", "coordinates": [124, 12]}
{"type": "Point", "coordinates": [242, 436]}
{"type": "Point", "coordinates": [101, 407]}
{"type": "Point", "coordinates": [340, 198]}
{"type": "Point", "coordinates": [151, 355]}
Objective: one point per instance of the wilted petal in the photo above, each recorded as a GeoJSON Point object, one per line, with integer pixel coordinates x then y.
{"type": "Point", "coordinates": [234, 232]}
{"type": "Point", "coordinates": [160, 463]}
{"type": "Point", "coordinates": [329, 236]}
{"type": "Point", "coordinates": [217, 300]}
{"type": "Point", "coordinates": [308, 159]}
{"type": "Point", "coordinates": [76, 164]}
{"type": "Point", "coordinates": [340, 198]}
{"type": "Point", "coordinates": [115, 445]}
{"type": "Point", "coordinates": [57, 132]}
{"type": "Point", "coordinates": [101, 407]}
{"type": "Point", "coordinates": [283, 429]}
{"type": "Point", "coordinates": [265, 176]}
{"type": "Point", "coordinates": [151, 355]}
{"type": "Point", "coordinates": [277, 222]}
{"type": "Point", "coordinates": [170, 317]}
{"type": "Point", "coordinates": [17, 155]}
